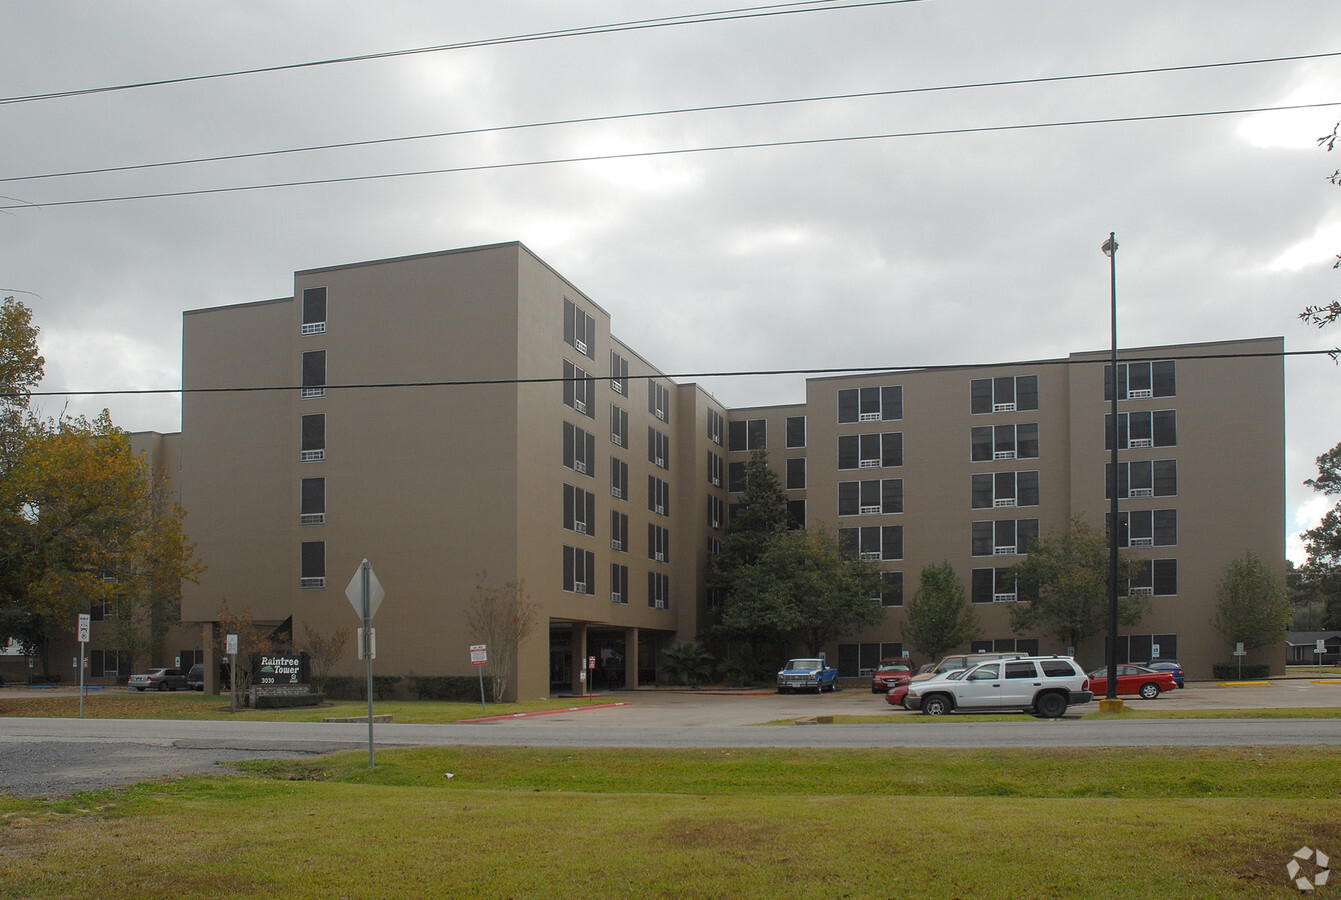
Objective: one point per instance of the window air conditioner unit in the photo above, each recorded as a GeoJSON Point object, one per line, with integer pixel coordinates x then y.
{"type": "Point", "coordinates": [1004, 454]}
{"type": "Point", "coordinates": [1142, 542]}
{"type": "Point", "coordinates": [580, 527]}
{"type": "Point", "coordinates": [1140, 443]}
{"type": "Point", "coordinates": [579, 587]}
{"type": "Point", "coordinates": [616, 597]}
{"type": "Point", "coordinates": [870, 556]}
{"type": "Point", "coordinates": [312, 519]}
{"type": "Point", "coordinates": [616, 545]}
{"type": "Point", "coordinates": [580, 406]}
{"type": "Point", "coordinates": [1003, 598]}
{"type": "Point", "coordinates": [310, 392]}
{"type": "Point", "coordinates": [1141, 394]}
{"type": "Point", "coordinates": [1003, 551]}
{"type": "Point", "coordinates": [312, 583]}
{"type": "Point", "coordinates": [660, 510]}
{"type": "Point", "coordinates": [314, 328]}
{"type": "Point", "coordinates": [660, 557]}
{"type": "Point", "coordinates": [1003, 407]}
{"type": "Point", "coordinates": [1143, 592]}
{"type": "Point", "coordinates": [580, 466]}
{"type": "Point", "coordinates": [659, 603]}
{"type": "Point", "coordinates": [870, 510]}
{"type": "Point", "coordinates": [581, 345]}
{"type": "Point", "coordinates": [661, 462]}
{"type": "Point", "coordinates": [716, 523]}
{"type": "Point", "coordinates": [1141, 492]}
{"type": "Point", "coordinates": [312, 455]}
{"type": "Point", "coordinates": [616, 438]}
{"type": "Point", "coordinates": [869, 417]}
{"type": "Point", "coordinates": [869, 464]}
{"type": "Point", "coordinates": [1004, 501]}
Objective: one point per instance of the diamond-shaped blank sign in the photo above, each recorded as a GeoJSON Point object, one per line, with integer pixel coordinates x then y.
{"type": "Point", "coordinates": [355, 591]}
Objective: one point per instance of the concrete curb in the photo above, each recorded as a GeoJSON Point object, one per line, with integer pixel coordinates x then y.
{"type": "Point", "coordinates": [538, 712]}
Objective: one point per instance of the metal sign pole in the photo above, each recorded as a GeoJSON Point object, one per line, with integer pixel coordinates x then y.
{"type": "Point", "coordinates": [364, 570]}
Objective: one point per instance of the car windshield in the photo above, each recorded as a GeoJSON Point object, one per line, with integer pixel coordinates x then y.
{"type": "Point", "coordinates": [956, 674]}
{"type": "Point", "coordinates": [804, 664]}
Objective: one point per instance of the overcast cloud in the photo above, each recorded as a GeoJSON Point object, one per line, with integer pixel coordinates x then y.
{"type": "Point", "coordinates": [908, 251]}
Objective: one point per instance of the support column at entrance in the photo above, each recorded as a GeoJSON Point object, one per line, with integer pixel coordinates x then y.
{"type": "Point", "coordinates": [631, 659]}
{"type": "Point", "coordinates": [210, 663]}
{"type": "Point", "coordinates": [579, 658]}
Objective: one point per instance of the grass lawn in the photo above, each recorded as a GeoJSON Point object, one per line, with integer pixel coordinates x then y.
{"type": "Point", "coordinates": [518, 822]}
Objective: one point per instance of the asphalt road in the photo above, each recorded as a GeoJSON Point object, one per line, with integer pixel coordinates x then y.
{"type": "Point", "coordinates": [41, 757]}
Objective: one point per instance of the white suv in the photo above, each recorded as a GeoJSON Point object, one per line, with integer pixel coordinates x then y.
{"type": "Point", "coordinates": [1045, 685]}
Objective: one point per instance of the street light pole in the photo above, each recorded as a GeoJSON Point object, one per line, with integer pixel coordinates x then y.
{"type": "Point", "coordinates": [1112, 703]}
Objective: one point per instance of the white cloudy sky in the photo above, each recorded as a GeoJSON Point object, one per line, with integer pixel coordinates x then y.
{"type": "Point", "coordinates": [958, 248]}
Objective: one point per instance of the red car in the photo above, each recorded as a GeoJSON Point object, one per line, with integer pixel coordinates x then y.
{"type": "Point", "coordinates": [895, 695]}
{"type": "Point", "coordinates": [889, 673]}
{"type": "Point", "coordinates": [1148, 683]}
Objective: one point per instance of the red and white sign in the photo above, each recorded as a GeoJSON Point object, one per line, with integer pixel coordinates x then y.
{"type": "Point", "coordinates": [591, 662]}
{"type": "Point", "coordinates": [479, 655]}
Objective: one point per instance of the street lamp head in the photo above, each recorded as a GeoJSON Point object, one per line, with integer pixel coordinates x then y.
{"type": "Point", "coordinates": [1110, 246]}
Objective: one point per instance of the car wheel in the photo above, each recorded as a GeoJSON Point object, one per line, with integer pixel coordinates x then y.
{"type": "Point", "coordinates": [936, 705]}
{"type": "Point", "coordinates": [1051, 706]}
{"type": "Point", "coordinates": [162, 685]}
{"type": "Point", "coordinates": [1149, 690]}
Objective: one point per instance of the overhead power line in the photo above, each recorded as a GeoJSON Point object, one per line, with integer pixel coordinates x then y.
{"type": "Point", "coordinates": [776, 9]}
{"type": "Point", "coordinates": [684, 377]}
{"type": "Point", "coordinates": [648, 154]}
{"type": "Point", "coordinates": [585, 120]}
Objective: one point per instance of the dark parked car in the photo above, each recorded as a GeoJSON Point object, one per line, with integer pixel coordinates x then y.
{"type": "Point", "coordinates": [158, 679]}
{"type": "Point", "coordinates": [1172, 666]}
{"type": "Point", "coordinates": [195, 679]}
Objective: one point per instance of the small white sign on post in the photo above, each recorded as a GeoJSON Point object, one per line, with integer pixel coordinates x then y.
{"type": "Point", "coordinates": [230, 645]}
{"type": "Point", "coordinates": [84, 619]}
{"type": "Point", "coordinates": [479, 654]}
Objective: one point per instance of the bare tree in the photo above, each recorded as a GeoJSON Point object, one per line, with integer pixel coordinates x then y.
{"type": "Point", "coordinates": [502, 617]}
{"type": "Point", "coordinates": [323, 650]}
{"type": "Point", "coordinates": [252, 641]}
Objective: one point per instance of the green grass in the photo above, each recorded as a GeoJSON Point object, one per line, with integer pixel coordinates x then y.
{"type": "Point", "coordinates": [905, 718]}
{"type": "Point", "coordinates": [191, 705]}
{"type": "Point", "coordinates": [518, 822]}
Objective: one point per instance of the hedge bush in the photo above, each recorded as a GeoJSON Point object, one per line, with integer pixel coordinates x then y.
{"type": "Point", "coordinates": [350, 687]}
{"type": "Point", "coordinates": [1230, 671]}
{"type": "Point", "coordinates": [463, 688]}
{"type": "Point", "coordinates": [285, 701]}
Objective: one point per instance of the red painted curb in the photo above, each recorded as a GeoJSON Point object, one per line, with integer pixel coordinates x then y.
{"type": "Point", "coordinates": [539, 712]}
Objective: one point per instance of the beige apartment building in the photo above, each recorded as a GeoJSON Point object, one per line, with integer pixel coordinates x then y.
{"type": "Point", "coordinates": [470, 415]}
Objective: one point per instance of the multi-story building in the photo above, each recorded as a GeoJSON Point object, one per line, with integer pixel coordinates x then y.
{"type": "Point", "coordinates": [469, 415]}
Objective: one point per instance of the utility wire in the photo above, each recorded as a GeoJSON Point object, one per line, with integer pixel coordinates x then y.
{"type": "Point", "coordinates": [649, 154]}
{"type": "Point", "coordinates": [754, 12]}
{"type": "Point", "coordinates": [683, 377]}
{"type": "Point", "coordinates": [585, 120]}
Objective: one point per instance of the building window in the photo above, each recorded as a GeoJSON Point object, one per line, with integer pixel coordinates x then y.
{"type": "Point", "coordinates": [1147, 528]}
{"type": "Point", "coordinates": [312, 575]}
{"type": "Point", "coordinates": [658, 400]}
{"type": "Point", "coordinates": [314, 310]}
{"type": "Point", "coordinates": [796, 473]}
{"type": "Point", "coordinates": [619, 478]}
{"type": "Point", "coordinates": [619, 374]}
{"type": "Point", "coordinates": [870, 451]}
{"type": "Point", "coordinates": [619, 426]}
{"type": "Point", "coordinates": [1156, 578]}
{"type": "Point", "coordinates": [716, 509]}
{"type": "Point", "coordinates": [796, 514]}
{"type": "Point", "coordinates": [312, 510]}
{"type": "Point", "coordinates": [1137, 381]}
{"type": "Point", "coordinates": [579, 571]}
{"type": "Point", "coordinates": [870, 404]}
{"type": "Point", "coordinates": [619, 531]}
{"type": "Point", "coordinates": [796, 432]}
{"type": "Point", "coordinates": [874, 497]}
{"type": "Point", "coordinates": [714, 469]}
{"type": "Point", "coordinates": [715, 427]}
{"type": "Point", "coordinates": [1141, 648]}
{"type": "Point", "coordinates": [1006, 394]}
{"type": "Point", "coordinates": [1004, 537]}
{"type": "Point", "coordinates": [658, 448]}
{"type": "Point", "coordinates": [658, 543]}
{"type": "Point", "coordinates": [579, 329]}
{"type": "Point", "coordinates": [748, 434]}
{"type": "Point", "coordinates": [735, 477]}
{"type": "Point", "coordinates": [861, 660]}
{"type": "Point", "coordinates": [1027, 646]}
{"type": "Point", "coordinates": [577, 389]}
{"type": "Point", "coordinates": [579, 510]}
{"type": "Point", "coordinates": [891, 589]}
{"type": "Point", "coordinates": [314, 374]}
{"type": "Point", "coordinates": [714, 546]}
{"type": "Point", "coordinates": [313, 438]}
{"type": "Point", "coordinates": [108, 663]}
{"type": "Point", "coordinates": [619, 583]}
{"type": "Point", "coordinates": [1140, 430]}
{"type": "Point", "coordinates": [1005, 489]}
{"type": "Point", "coordinates": [993, 586]}
{"type": "Point", "coordinates": [873, 543]}
{"type": "Point", "coordinates": [658, 496]}
{"type": "Point", "coordinates": [989, 442]}
{"type": "Point", "coordinates": [658, 590]}
{"type": "Point", "coordinates": [579, 450]}
{"type": "Point", "coordinates": [1144, 478]}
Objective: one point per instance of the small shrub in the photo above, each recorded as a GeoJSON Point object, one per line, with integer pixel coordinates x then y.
{"type": "Point", "coordinates": [353, 687]}
{"type": "Point", "coordinates": [1230, 671]}
{"type": "Point", "coordinates": [53, 678]}
{"type": "Point", "coordinates": [462, 688]}
{"type": "Point", "coordinates": [287, 701]}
